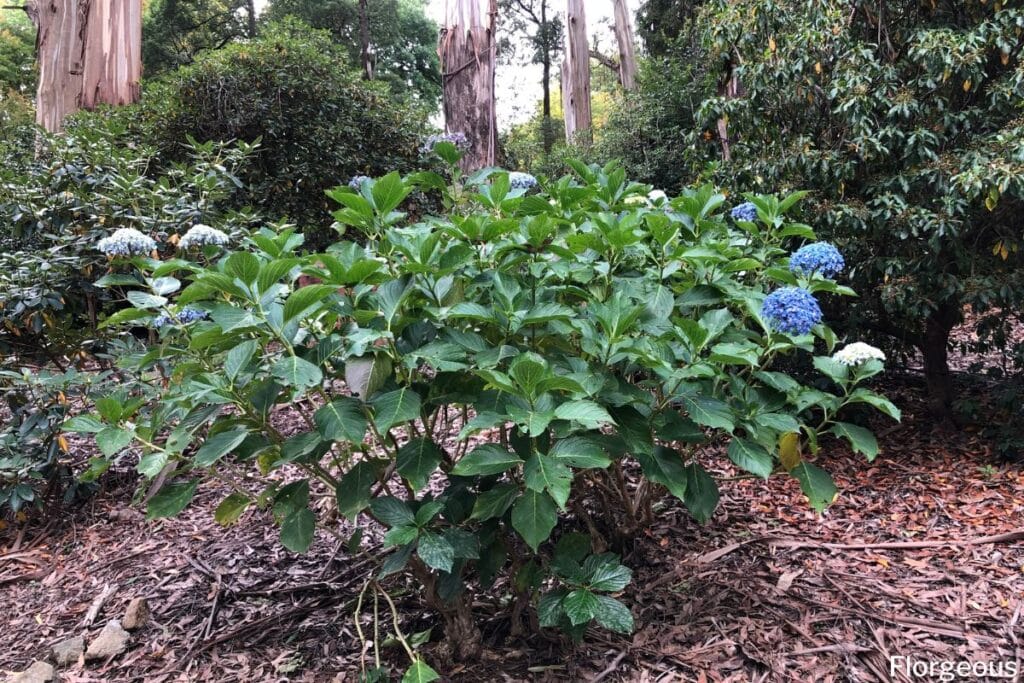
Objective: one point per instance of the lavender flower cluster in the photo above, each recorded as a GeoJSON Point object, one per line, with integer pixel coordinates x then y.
{"type": "Point", "coordinates": [792, 310]}
{"type": "Point", "coordinates": [126, 242]}
{"type": "Point", "coordinates": [357, 182]}
{"type": "Point", "coordinates": [521, 181]}
{"type": "Point", "coordinates": [821, 257]}
{"type": "Point", "coordinates": [183, 317]}
{"type": "Point", "coordinates": [744, 212]}
{"type": "Point", "coordinates": [200, 235]}
{"type": "Point", "coordinates": [458, 139]}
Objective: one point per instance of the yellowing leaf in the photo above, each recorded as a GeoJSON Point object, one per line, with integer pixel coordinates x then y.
{"type": "Point", "coordinates": [967, 85]}
{"type": "Point", "coordinates": [789, 450]}
{"type": "Point", "coordinates": [1004, 57]}
{"type": "Point", "coordinates": [771, 44]}
{"type": "Point", "coordinates": [817, 67]}
{"type": "Point", "coordinates": [63, 443]}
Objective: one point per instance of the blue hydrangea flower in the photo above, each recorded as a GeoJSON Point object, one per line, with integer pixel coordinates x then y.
{"type": "Point", "coordinates": [523, 181]}
{"type": "Point", "coordinates": [126, 242]}
{"type": "Point", "coordinates": [357, 181]}
{"type": "Point", "coordinates": [744, 212]}
{"type": "Point", "coordinates": [458, 139]}
{"type": "Point", "coordinates": [792, 310]}
{"type": "Point", "coordinates": [821, 257]}
{"type": "Point", "coordinates": [183, 317]}
{"type": "Point", "coordinates": [200, 235]}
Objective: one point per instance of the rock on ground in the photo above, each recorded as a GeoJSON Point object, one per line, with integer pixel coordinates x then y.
{"type": "Point", "coordinates": [137, 614]}
{"type": "Point", "coordinates": [39, 672]}
{"type": "Point", "coordinates": [68, 651]}
{"type": "Point", "coordinates": [112, 640]}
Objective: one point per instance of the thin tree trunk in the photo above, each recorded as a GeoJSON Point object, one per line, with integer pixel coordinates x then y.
{"type": "Point", "coordinates": [627, 50]}
{"type": "Point", "coordinates": [89, 53]}
{"type": "Point", "coordinates": [935, 350]}
{"type": "Point", "coordinates": [547, 134]}
{"type": "Point", "coordinates": [468, 51]}
{"type": "Point", "coordinates": [576, 75]}
{"type": "Point", "coordinates": [251, 9]}
{"type": "Point", "coordinates": [364, 41]}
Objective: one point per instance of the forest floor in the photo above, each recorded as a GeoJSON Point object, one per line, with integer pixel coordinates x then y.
{"type": "Point", "coordinates": [921, 557]}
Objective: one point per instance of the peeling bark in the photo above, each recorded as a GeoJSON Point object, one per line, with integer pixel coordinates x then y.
{"type": "Point", "coordinates": [468, 50]}
{"type": "Point", "coordinates": [627, 49]}
{"type": "Point", "coordinates": [576, 75]}
{"type": "Point", "coordinates": [89, 53]}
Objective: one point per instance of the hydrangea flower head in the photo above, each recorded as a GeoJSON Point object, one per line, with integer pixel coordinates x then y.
{"type": "Point", "coordinates": [357, 181]}
{"type": "Point", "coordinates": [744, 212]}
{"type": "Point", "coordinates": [792, 310]}
{"type": "Point", "coordinates": [126, 242]}
{"type": "Point", "coordinates": [657, 196]}
{"type": "Point", "coordinates": [857, 353]}
{"type": "Point", "coordinates": [521, 181]}
{"type": "Point", "coordinates": [458, 139]}
{"type": "Point", "coordinates": [821, 257]}
{"type": "Point", "coordinates": [200, 235]}
{"type": "Point", "coordinates": [183, 317]}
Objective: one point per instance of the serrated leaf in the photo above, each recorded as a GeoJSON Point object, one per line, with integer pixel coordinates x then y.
{"type": "Point", "coordinates": [341, 420]}
{"type": "Point", "coordinates": [580, 606]}
{"type": "Point", "coordinates": [171, 499]}
{"type": "Point", "coordinates": [710, 412]}
{"type": "Point", "coordinates": [534, 516]}
{"type": "Point", "coordinates": [353, 491]}
{"type": "Point", "coordinates": [664, 466]}
{"type": "Point", "coordinates": [494, 502]}
{"type": "Point", "coordinates": [217, 446]}
{"type": "Point", "coordinates": [587, 413]}
{"type": "Point", "coordinates": [417, 460]}
{"type": "Point", "coordinates": [297, 530]}
{"type": "Point", "coordinates": [751, 457]}
{"type": "Point", "coordinates": [89, 424]}
{"type": "Point", "coordinates": [392, 511]}
{"type": "Point", "coordinates": [543, 473]}
{"type": "Point", "coordinates": [701, 497]}
{"type": "Point", "coordinates": [306, 299]}
{"type": "Point", "coordinates": [549, 608]}
{"type": "Point", "coordinates": [816, 484]}
{"type": "Point", "coordinates": [238, 357]}
{"type": "Point", "coordinates": [613, 615]}
{"type": "Point", "coordinates": [485, 460]}
{"type": "Point", "coordinates": [581, 452]}
{"type": "Point", "coordinates": [297, 372]}
{"type": "Point", "coordinates": [395, 407]}
{"type": "Point", "coordinates": [113, 440]}
{"type": "Point", "coordinates": [231, 509]}
{"type": "Point", "coordinates": [861, 439]}
{"type": "Point", "coordinates": [435, 551]}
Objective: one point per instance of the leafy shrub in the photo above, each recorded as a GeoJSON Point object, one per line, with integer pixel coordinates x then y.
{"type": "Point", "coordinates": [317, 122]}
{"type": "Point", "coordinates": [86, 184]}
{"type": "Point", "coordinates": [508, 390]}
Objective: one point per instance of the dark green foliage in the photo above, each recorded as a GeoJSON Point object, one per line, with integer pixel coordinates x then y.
{"type": "Point", "coordinates": [174, 32]}
{"type": "Point", "coordinates": [317, 122]}
{"type": "Point", "coordinates": [403, 41]}
{"type": "Point", "coordinates": [17, 53]}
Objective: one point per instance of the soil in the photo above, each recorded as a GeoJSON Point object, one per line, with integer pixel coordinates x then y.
{"type": "Point", "coordinates": [921, 556]}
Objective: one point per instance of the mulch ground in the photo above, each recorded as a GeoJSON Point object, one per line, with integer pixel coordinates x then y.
{"type": "Point", "coordinates": [922, 556]}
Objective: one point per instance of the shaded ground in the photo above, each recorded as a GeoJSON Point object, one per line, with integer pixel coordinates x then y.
{"type": "Point", "coordinates": [758, 594]}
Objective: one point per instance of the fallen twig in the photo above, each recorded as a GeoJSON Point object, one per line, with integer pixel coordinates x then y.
{"type": "Point", "coordinates": [97, 604]}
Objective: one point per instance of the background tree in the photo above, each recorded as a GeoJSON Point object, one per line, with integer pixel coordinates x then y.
{"type": "Point", "coordinates": [576, 74]}
{"type": "Point", "coordinates": [539, 23]}
{"type": "Point", "coordinates": [402, 40]}
{"type": "Point", "coordinates": [627, 49]}
{"type": "Point", "coordinates": [17, 52]}
{"type": "Point", "coordinates": [175, 31]}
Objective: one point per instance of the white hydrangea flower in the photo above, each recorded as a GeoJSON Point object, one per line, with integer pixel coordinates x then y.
{"type": "Point", "coordinates": [200, 235]}
{"type": "Point", "coordinates": [519, 180]}
{"type": "Point", "coordinates": [655, 196]}
{"type": "Point", "coordinates": [857, 353]}
{"type": "Point", "coordinates": [126, 242]}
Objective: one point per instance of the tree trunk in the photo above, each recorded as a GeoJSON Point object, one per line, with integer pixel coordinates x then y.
{"type": "Point", "coordinates": [546, 132]}
{"type": "Point", "coordinates": [730, 89]}
{"type": "Point", "coordinates": [89, 52]}
{"type": "Point", "coordinates": [364, 41]}
{"type": "Point", "coordinates": [467, 50]}
{"type": "Point", "coordinates": [627, 51]}
{"type": "Point", "coordinates": [576, 75]}
{"type": "Point", "coordinates": [251, 10]}
{"type": "Point", "coordinates": [934, 348]}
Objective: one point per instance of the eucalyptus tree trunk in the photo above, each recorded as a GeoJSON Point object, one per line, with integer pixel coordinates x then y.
{"type": "Point", "coordinates": [627, 50]}
{"type": "Point", "coordinates": [89, 53]}
{"type": "Point", "coordinates": [468, 50]}
{"type": "Point", "coordinates": [576, 75]}
{"type": "Point", "coordinates": [364, 41]}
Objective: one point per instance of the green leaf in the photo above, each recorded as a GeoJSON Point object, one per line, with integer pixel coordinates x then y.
{"type": "Point", "coordinates": [587, 413]}
{"type": "Point", "coordinates": [419, 672]}
{"type": "Point", "coordinates": [543, 473]}
{"type": "Point", "coordinates": [306, 299]}
{"type": "Point", "coordinates": [493, 503]}
{"type": "Point", "coordinates": [218, 446]}
{"type": "Point", "coordinates": [817, 485]}
{"type": "Point", "coordinates": [417, 460]}
{"type": "Point", "coordinates": [392, 511]}
{"type": "Point", "coordinates": [578, 451]}
{"type": "Point", "coordinates": [231, 508]}
{"type": "Point", "coordinates": [244, 266]}
{"type": "Point", "coordinates": [364, 376]}
{"type": "Point", "coordinates": [84, 424]}
{"type": "Point", "coordinates": [146, 300]}
{"type": "Point", "coordinates": [435, 551]}
{"type": "Point", "coordinates": [613, 615]}
{"type": "Point", "coordinates": [341, 420]}
{"type": "Point", "coordinates": [297, 530]}
{"type": "Point", "coordinates": [388, 192]}
{"type": "Point", "coordinates": [353, 491]}
{"type": "Point", "coordinates": [610, 576]}
{"type": "Point", "coordinates": [833, 369]}
{"type": "Point", "coordinates": [581, 606]}
{"type": "Point", "coordinates": [238, 357]}
{"type": "Point", "coordinates": [395, 407]}
{"type": "Point", "coordinates": [534, 516]}
{"type": "Point", "coordinates": [862, 395]}
{"type": "Point", "coordinates": [751, 456]}
{"type": "Point", "coordinates": [151, 464]}
{"type": "Point", "coordinates": [701, 497]}
{"type": "Point", "coordinates": [665, 466]}
{"type": "Point", "coordinates": [296, 372]}
{"type": "Point", "coordinates": [400, 535]}
{"type": "Point", "coordinates": [113, 440]}
{"type": "Point", "coordinates": [710, 412]}
{"type": "Point", "coordinates": [171, 499]}
{"type": "Point", "coordinates": [549, 608]}
{"type": "Point", "coordinates": [862, 440]}
{"type": "Point", "coordinates": [123, 316]}
{"type": "Point", "coordinates": [485, 460]}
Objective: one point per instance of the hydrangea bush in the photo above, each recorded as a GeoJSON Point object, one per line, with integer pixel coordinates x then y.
{"type": "Point", "coordinates": [505, 392]}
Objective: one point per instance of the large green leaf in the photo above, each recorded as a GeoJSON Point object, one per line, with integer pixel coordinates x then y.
{"type": "Point", "coordinates": [297, 530]}
{"type": "Point", "coordinates": [534, 516]}
{"type": "Point", "coordinates": [861, 439]}
{"type": "Point", "coordinates": [710, 412]}
{"type": "Point", "coordinates": [701, 497]}
{"type": "Point", "coordinates": [544, 473]}
{"type": "Point", "coordinates": [297, 372]}
{"type": "Point", "coordinates": [419, 672]}
{"type": "Point", "coordinates": [665, 466]}
{"type": "Point", "coordinates": [816, 483]}
{"type": "Point", "coordinates": [435, 551]}
{"type": "Point", "coordinates": [231, 508]}
{"type": "Point", "coordinates": [587, 413]}
{"type": "Point", "coordinates": [171, 499]}
{"type": "Point", "coordinates": [113, 440]}
{"type": "Point", "coordinates": [306, 300]}
{"type": "Point", "coordinates": [341, 420]}
{"type": "Point", "coordinates": [487, 459]}
{"type": "Point", "coordinates": [238, 357]}
{"type": "Point", "coordinates": [392, 511]}
{"type": "Point", "coordinates": [353, 491]}
{"type": "Point", "coordinates": [417, 460]}
{"type": "Point", "coordinates": [395, 407]}
{"type": "Point", "coordinates": [751, 456]}
{"type": "Point", "coordinates": [613, 615]}
{"type": "Point", "coordinates": [494, 502]}
{"type": "Point", "coordinates": [581, 452]}
{"type": "Point", "coordinates": [581, 606]}
{"type": "Point", "coordinates": [217, 446]}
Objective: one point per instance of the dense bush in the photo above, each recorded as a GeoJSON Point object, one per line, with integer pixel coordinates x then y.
{"type": "Point", "coordinates": [292, 90]}
{"type": "Point", "coordinates": [508, 390]}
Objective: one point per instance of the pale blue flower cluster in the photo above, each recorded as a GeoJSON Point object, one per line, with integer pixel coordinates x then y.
{"type": "Point", "coordinates": [126, 242]}
{"type": "Point", "coordinates": [744, 212]}
{"type": "Point", "coordinates": [183, 317]}
{"type": "Point", "coordinates": [521, 181]}
{"type": "Point", "coordinates": [357, 181]}
{"type": "Point", "coordinates": [458, 139]}
{"type": "Point", "coordinates": [200, 235]}
{"type": "Point", "coordinates": [792, 310]}
{"type": "Point", "coordinates": [821, 257]}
